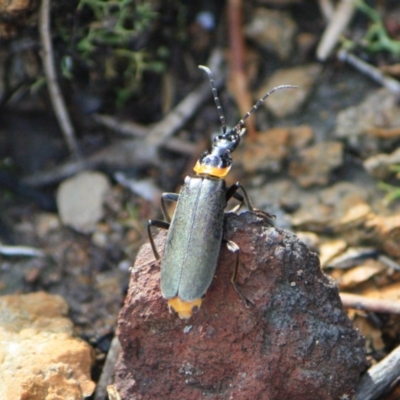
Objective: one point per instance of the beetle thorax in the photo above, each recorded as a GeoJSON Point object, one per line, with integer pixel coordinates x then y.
{"type": "Point", "coordinates": [217, 161]}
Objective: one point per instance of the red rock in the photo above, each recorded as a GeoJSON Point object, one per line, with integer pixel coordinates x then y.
{"type": "Point", "coordinates": [295, 342]}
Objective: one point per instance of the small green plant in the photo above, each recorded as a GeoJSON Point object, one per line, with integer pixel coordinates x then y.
{"type": "Point", "coordinates": [116, 23]}
{"type": "Point", "coordinates": [111, 42]}
{"type": "Point", "coordinates": [393, 192]}
{"type": "Point", "coordinates": [377, 39]}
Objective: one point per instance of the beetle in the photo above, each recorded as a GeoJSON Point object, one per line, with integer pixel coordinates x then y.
{"type": "Point", "coordinates": [195, 232]}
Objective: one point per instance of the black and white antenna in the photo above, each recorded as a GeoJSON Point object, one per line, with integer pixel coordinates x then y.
{"type": "Point", "coordinates": [216, 98]}
{"type": "Point", "coordinates": [240, 124]}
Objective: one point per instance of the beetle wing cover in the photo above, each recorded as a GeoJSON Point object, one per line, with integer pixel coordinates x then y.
{"type": "Point", "coordinates": [194, 239]}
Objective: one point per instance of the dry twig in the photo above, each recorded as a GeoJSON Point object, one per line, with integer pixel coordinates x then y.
{"type": "Point", "coordinates": [385, 133]}
{"type": "Point", "coordinates": [358, 302]}
{"type": "Point", "coordinates": [343, 14]}
{"type": "Point", "coordinates": [367, 69]}
{"type": "Point", "coordinates": [60, 172]}
{"type": "Point", "coordinates": [327, 9]}
{"type": "Point", "coordinates": [238, 82]}
{"type": "Point", "coordinates": [130, 128]}
{"type": "Point", "coordinates": [127, 153]}
{"type": "Point", "coordinates": [124, 153]}
{"type": "Point", "coordinates": [108, 370]}
{"type": "Point", "coordinates": [380, 378]}
{"type": "Point", "coordinates": [20, 251]}
{"type": "Point", "coordinates": [56, 97]}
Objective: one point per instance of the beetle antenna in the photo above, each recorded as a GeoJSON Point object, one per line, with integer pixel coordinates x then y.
{"type": "Point", "coordinates": [239, 126]}
{"type": "Point", "coordinates": [216, 98]}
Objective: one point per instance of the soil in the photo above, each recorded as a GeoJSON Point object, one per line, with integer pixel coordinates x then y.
{"type": "Point", "coordinates": [91, 270]}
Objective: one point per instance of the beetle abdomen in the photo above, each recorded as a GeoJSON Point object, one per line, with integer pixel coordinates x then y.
{"type": "Point", "coordinates": [194, 239]}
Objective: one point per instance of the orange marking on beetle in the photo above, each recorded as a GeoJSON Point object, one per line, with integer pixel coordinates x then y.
{"type": "Point", "coordinates": [213, 171]}
{"type": "Point", "coordinates": [184, 309]}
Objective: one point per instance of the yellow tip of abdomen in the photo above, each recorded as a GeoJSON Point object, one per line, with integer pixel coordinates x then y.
{"type": "Point", "coordinates": [184, 309]}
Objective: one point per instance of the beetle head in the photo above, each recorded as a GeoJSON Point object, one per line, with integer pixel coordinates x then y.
{"type": "Point", "coordinates": [217, 161]}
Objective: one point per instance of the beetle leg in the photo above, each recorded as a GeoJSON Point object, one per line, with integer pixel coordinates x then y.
{"type": "Point", "coordinates": [234, 248]}
{"type": "Point", "coordinates": [161, 224]}
{"type": "Point", "coordinates": [240, 198]}
{"type": "Point", "coordinates": [169, 197]}
{"type": "Point", "coordinates": [232, 192]}
{"type": "Point", "coordinates": [158, 224]}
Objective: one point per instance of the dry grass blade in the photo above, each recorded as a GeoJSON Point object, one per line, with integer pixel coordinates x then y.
{"type": "Point", "coordinates": [56, 97]}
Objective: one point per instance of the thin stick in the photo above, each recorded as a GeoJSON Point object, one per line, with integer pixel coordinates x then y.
{"type": "Point", "coordinates": [358, 302]}
{"type": "Point", "coordinates": [367, 69]}
{"type": "Point", "coordinates": [385, 133]}
{"type": "Point", "coordinates": [108, 370]}
{"type": "Point", "coordinates": [341, 19]}
{"type": "Point", "coordinates": [380, 378]}
{"type": "Point", "coordinates": [238, 82]}
{"type": "Point", "coordinates": [327, 9]}
{"type": "Point", "coordinates": [134, 152]}
{"type": "Point", "coordinates": [20, 251]}
{"type": "Point", "coordinates": [133, 129]}
{"type": "Point", "coordinates": [50, 72]}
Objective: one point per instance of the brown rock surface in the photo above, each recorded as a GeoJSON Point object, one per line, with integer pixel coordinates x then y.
{"type": "Point", "coordinates": [39, 358]}
{"type": "Point", "coordinates": [355, 124]}
{"type": "Point", "coordinates": [273, 30]}
{"type": "Point", "coordinates": [295, 342]}
{"type": "Point", "coordinates": [313, 165]}
{"type": "Point", "coordinates": [13, 6]}
{"type": "Point", "coordinates": [266, 152]}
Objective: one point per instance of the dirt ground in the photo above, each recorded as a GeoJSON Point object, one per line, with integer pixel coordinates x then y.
{"type": "Point", "coordinates": [322, 159]}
